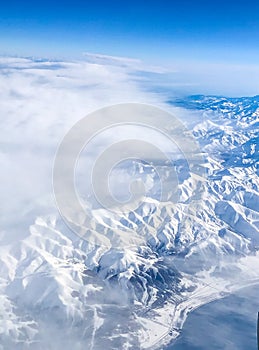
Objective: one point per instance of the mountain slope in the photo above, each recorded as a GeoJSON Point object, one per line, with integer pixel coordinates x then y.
{"type": "Point", "coordinates": [59, 291]}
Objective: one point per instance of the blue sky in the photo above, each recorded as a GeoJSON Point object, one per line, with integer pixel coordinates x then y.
{"type": "Point", "coordinates": [168, 33]}
{"type": "Point", "coordinates": [157, 30]}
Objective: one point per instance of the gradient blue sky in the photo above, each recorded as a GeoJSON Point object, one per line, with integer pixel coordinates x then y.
{"type": "Point", "coordinates": [158, 32]}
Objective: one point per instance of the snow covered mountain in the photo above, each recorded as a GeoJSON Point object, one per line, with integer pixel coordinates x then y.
{"type": "Point", "coordinates": [58, 291]}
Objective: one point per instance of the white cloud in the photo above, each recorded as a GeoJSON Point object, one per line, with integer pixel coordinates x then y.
{"type": "Point", "coordinates": [40, 101]}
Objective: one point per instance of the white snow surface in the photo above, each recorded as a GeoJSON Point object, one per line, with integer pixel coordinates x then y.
{"type": "Point", "coordinates": [57, 291]}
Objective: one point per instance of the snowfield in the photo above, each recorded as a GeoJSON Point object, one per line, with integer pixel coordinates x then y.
{"type": "Point", "coordinates": [57, 291]}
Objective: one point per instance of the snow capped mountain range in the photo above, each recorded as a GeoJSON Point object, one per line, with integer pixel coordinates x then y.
{"type": "Point", "coordinates": [58, 291]}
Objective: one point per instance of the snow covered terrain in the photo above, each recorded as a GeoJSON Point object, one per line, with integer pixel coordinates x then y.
{"type": "Point", "coordinates": [58, 291]}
